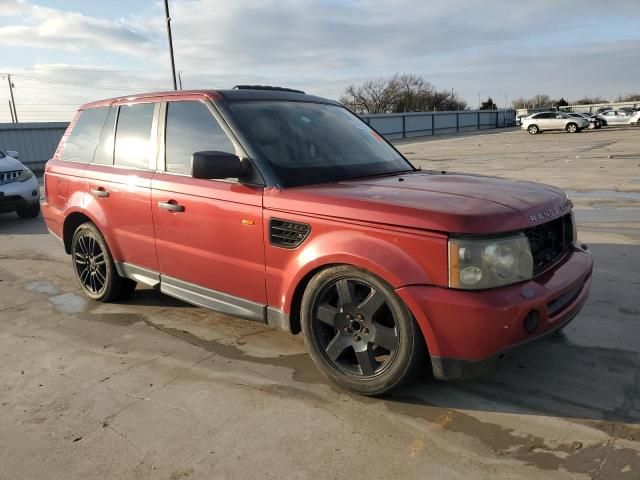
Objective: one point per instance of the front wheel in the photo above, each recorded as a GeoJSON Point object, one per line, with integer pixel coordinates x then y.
{"type": "Point", "coordinates": [572, 128]}
{"type": "Point", "coordinates": [359, 332]}
{"type": "Point", "coordinates": [533, 129]}
{"type": "Point", "coordinates": [94, 267]}
{"type": "Point", "coordinates": [592, 125]}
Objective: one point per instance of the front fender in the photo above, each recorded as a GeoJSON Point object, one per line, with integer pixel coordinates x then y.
{"type": "Point", "coordinates": [399, 258]}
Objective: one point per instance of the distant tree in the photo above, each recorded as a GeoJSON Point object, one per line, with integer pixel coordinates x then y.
{"type": "Point", "coordinates": [488, 104]}
{"type": "Point", "coordinates": [630, 97]}
{"type": "Point", "coordinates": [401, 93]}
{"type": "Point", "coordinates": [519, 103]}
{"type": "Point", "coordinates": [586, 100]}
{"type": "Point", "coordinates": [561, 102]}
{"type": "Point", "coordinates": [373, 96]}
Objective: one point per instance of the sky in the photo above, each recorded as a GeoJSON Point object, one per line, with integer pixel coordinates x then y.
{"type": "Point", "coordinates": [64, 53]}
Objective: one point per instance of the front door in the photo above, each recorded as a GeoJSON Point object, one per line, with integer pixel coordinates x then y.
{"type": "Point", "coordinates": [209, 234]}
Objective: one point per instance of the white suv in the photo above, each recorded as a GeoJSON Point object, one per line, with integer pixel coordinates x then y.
{"type": "Point", "coordinates": [18, 187]}
{"type": "Point", "coordinates": [539, 122]}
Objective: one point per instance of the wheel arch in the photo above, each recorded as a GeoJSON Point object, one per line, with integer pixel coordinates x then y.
{"type": "Point", "coordinates": [70, 225]}
{"type": "Point", "coordinates": [73, 220]}
{"type": "Point", "coordinates": [378, 257]}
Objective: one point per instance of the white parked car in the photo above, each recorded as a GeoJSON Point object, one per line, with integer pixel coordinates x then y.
{"type": "Point", "coordinates": [19, 190]}
{"type": "Point", "coordinates": [617, 117]}
{"type": "Point", "coordinates": [542, 121]}
{"type": "Point", "coordinates": [635, 118]}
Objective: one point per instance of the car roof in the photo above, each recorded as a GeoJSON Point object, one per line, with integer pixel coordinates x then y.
{"type": "Point", "coordinates": [230, 95]}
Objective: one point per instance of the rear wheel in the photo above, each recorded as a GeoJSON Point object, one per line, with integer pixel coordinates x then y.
{"type": "Point", "coordinates": [533, 129]}
{"type": "Point", "coordinates": [30, 211]}
{"type": "Point", "coordinates": [592, 125]}
{"type": "Point", "coordinates": [94, 267]}
{"type": "Point", "coordinates": [358, 331]}
{"type": "Point", "coordinates": [572, 128]}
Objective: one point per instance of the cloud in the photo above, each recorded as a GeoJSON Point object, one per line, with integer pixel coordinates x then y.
{"type": "Point", "coordinates": [49, 28]}
{"type": "Point", "coordinates": [490, 47]}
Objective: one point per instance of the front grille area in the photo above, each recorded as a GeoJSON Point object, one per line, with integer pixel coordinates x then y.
{"type": "Point", "coordinates": [287, 234]}
{"type": "Point", "coordinates": [550, 242]}
{"type": "Point", "coordinates": [8, 177]}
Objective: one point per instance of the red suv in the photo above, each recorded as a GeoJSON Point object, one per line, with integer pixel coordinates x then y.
{"type": "Point", "coordinates": [271, 205]}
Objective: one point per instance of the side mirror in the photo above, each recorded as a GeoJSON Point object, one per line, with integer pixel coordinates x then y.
{"type": "Point", "coordinates": [208, 165]}
{"type": "Point", "coordinates": [13, 153]}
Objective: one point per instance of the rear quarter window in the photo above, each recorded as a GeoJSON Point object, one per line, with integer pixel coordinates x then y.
{"type": "Point", "coordinates": [81, 142]}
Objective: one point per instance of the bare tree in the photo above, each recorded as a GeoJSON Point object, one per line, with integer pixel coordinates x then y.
{"type": "Point", "coordinates": [587, 100]}
{"type": "Point", "coordinates": [401, 93]}
{"type": "Point", "coordinates": [373, 96]}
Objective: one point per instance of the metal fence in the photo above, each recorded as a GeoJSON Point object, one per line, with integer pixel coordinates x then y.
{"type": "Point", "coordinates": [35, 142]}
{"type": "Point", "coordinates": [420, 124]}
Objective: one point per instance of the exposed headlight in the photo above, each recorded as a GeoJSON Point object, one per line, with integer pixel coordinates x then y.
{"type": "Point", "coordinates": [477, 263]}
{"type": "Point", "coordinates": [25, 175]}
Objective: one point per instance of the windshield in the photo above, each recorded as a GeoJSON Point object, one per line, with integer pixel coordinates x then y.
{"type": "Point", "coordinates": [312, 142]}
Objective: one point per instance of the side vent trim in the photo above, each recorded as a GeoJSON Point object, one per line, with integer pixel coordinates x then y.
{"type": "Point", "coordinates": [287, 233]}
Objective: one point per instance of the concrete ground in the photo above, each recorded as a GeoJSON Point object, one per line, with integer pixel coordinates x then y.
{"type": "Point", "coordinates": [155, 388]}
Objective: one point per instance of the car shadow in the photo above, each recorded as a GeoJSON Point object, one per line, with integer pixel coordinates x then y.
{"type": "Point", "coordinates": [152, 297]}
{"type": "Point", "coordinates": [589, 371]}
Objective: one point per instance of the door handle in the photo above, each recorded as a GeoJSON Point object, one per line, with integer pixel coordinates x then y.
{"type": "Point", "coordinates": [172, 206]}
{"type": "Point", "coordinates": [99, 192]}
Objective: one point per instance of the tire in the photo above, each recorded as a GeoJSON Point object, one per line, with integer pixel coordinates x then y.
{"type": "Point", "coordinates": [533, 129]}
{"type": "Point", "coordinates": [592, 126]}
{"type": "Point", "coordinates": [572, 128]}
{"type": "Point", "coordinates": [345, 310]}
{"type": "Point", "coordinates": [30, 211]}
{"type": "Point", "coordinates": [94, 268]}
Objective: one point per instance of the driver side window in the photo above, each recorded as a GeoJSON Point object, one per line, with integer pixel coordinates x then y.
{"type": "Point", "coordinates": [191, 128]}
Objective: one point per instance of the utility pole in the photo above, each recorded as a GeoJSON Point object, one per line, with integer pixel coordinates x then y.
{"type": "Point", "coordinates": [173, 66]}
{"type": "Point", "coordinates": [13, 120]}
{"type": "Point", "coordinates": [180, 79]}
{"type": "Point", "coordinates": [13, 100]}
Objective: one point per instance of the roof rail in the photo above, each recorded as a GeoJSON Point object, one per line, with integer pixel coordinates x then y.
{"type": "Point", "coordinates": [266, 87]}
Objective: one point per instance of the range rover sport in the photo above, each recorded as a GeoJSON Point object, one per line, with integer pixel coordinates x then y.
{"type": "Point", "coordinates": [284, 208]}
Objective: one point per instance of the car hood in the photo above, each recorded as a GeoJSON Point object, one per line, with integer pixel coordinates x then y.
{"type": "Point", "coordinates": [438, 201]}
{"type": "Point", "coordinates": [10, 164]}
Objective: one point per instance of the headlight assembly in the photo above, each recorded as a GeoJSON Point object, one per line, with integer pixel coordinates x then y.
{"type": "Point", "coordinates": [25, 175]}
{"type": "Point", "coordinates": [477, 263]}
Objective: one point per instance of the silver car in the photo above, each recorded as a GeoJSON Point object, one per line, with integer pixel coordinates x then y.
{"type": "Point", "coordinates": [19, 190]}
{"type": "Point", "coordinates": [542, 121]}
{"type": "Point", "coordinates": [617, 117]}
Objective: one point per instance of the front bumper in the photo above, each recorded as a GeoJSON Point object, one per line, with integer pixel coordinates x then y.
{"type": "Point", "coordinates": [466, 331]}
{"type": "Point", "coordinates": [16, 195]}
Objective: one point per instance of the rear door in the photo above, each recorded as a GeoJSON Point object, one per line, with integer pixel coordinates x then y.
{"type": "Point", "coordinates": [119, 187]}
{"type": "Point", "coordinates": [611, 117]}
{"type": "Point", "coordinates": [208, 232]}
{"type": "Point", "coordinates": [546, 121]}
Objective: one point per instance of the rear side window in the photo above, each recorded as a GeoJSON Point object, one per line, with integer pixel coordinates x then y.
{"type": "Point", "coordinates": [133, 135]}
{"type": "Point", "coordinates": [191, 128]}
{"type": "Point", "coordinates": [82, 140]}
{"type": "Point", "coordinates": [104, 150]}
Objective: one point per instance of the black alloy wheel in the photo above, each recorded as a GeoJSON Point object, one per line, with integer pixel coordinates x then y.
{"type": "Point", "coordinates": [359, 332]}
{"type": "Point", "coordinates": [355, 327]}
{"type": "Point", "coordinates": [90, 263]}
{"type": "Point", "coordinates": [94, 267]}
